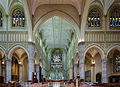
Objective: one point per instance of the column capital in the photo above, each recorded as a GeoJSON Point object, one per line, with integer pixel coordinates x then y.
{"type": "Point", "coordinates": [105, 15]}
{"type": "Point", "coordinates": [37, 64]}
{"type": "Point", "coordinates": [75, 64]}
{"type": "Point", "coordinates": [31, 46]}
{"type": "Point", "coordinates": [20, 64]}
{"type": "Point", "coordinates": [7, 59]}
{"type": "Point", "coordinates": [81, 43]}
{"type": "Point", "coordinates": [7, 15]}
{"type": "Point", "coordinates": [31, 43]}
{"type": "Point", "coordinates": [81, 62]}
{"type": "Point", "coordinates": [30, 60]}
{"type": "Point", "coordinates": [104, 60]}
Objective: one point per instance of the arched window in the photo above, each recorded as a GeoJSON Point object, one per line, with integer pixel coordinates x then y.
{"type": "Point", "coordinates": [1, 19]}
{"type": "Point", "coordinates": [94, 18]}
{"type": "Point", "coordinates": [18, 19]}
{"type": "Point", "coordinates": [56, 59]}
{"type": "Point", "coordinates": [115, 17]}
{"type": "Point", "coordinates": [117, 60]}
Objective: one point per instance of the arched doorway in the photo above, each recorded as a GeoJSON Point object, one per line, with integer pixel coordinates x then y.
{"type": "Point", "coordinates": [93, 65]}
{"type": "Point", "coordinates": [14, 69]}
{"type": "Point", "coordinates": [2, 67]}
{"type": "Point", "coordinates": [114, 65]}
{"type": "Point", "coordinates": [25, 69]}
{"type": "Point", "coordinates": [19, 64]}
{"type": "Point", "coordinates": [41, 71]}
{"type": "Point", "coordinates": [98, 77]}
{"type": "Point", "coordinates": [56, 33]}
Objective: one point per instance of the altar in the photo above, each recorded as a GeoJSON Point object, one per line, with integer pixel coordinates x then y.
{"type": "Point", "coordinates": [56, 83]}
{"type": "Point", "coordinates": [56, 76]}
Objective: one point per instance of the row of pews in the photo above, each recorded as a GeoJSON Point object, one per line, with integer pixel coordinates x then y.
{"type": "Point", "coordinates": [10, 84]}
{"type": "Point", "coordinates": [58, 83]}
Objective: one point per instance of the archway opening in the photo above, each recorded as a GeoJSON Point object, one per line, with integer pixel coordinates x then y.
{"type": "Point", "coordinates": [14, 69]}
{"type": "Point", "coordinates": [56, 34]}
{"type": "Point", "coordinates": [2, 67]}
{"type": "Point", "coordinates": [25, 70]}
{"type": "Point", "coordinates": [19, 65]}
{"type": "Point", "coordinates": [114, 66]}
{"type": "Point", "coordinates": [93, 65]}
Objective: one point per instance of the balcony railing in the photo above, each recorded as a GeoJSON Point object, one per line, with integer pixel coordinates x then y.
{"type": "Point", "coordinates": [102, 36]}
{"type": "Point", "coordinates": [13, 36]}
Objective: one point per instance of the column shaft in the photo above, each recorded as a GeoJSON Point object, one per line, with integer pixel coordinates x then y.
{"type": "Point", "coordinates": [81, 60]}
{"type": "Point", "coordinates": [75, 70]}
{"type": "Point", "coordinates": [31, 49]}
{"type": "Point", "coordinates": [104, 71]}
{"type": "Point", "coordinates": [20, 72]}
{"type": "Point", "coordinates": [8, 70]}
{"type": "Point", "coordinates": [1, 67]}
{"type": "Point", "coordinates": [38, 70]}
{"type": "Point", "coordinates": [70, 73]}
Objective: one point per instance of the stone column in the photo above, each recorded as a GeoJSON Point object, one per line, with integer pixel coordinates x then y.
{"type": "Point", "coordinates": [20, 72]}
{"type": "Point", "coordinates": [81, 60]}
{"type": "Point", "coordinates": [38, 70]}
{"type": "Point", "coordinates": [70, 73]}
{"type": "Point", "coordinates": [75, 71]}
{"type": "Point", "coordinates": [8, 70]}
{"type": "Point", "coordinates": [41, 70]}
{"type": "Point", "coordinates": [41, 73]}
{"type": "Point", "coordinates": [31, 49]}
{"type": "Point", "coordinates": [0, 66]}
{"type": "Point", "coordinates": [104, 71]}
{"type": "Point", "coordinates": [3, 71]}
{"type": "Point", "coordinates": [93, 73]}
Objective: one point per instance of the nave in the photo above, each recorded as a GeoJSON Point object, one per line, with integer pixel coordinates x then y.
{"type": "Point", "coordinates": [59, 43]}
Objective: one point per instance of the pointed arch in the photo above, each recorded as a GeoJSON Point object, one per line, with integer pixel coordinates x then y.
{"type": "Point", "coordinates": [57, 13]}
{"type": "Point", "coordinates": [99, 49]}
{"type": "Point", "coordinates": [3, 50]}
{"type": "Point", "coordinates": [112, 47]}
{"type": "Point", "coordinates": [11, 51]}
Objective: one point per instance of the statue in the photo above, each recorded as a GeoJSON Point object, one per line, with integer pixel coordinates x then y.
{"type": "Point", "coordinates": [56, 75]}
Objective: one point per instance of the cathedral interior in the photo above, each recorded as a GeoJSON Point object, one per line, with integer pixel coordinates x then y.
{"type": "Point", "coordinates": [59, 43]}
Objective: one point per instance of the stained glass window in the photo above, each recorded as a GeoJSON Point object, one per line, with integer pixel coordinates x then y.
{"type": "Point", "coordinates": [115, 17]}
{"type": "Point", "coordinates": [18, 19]}
{"type": "Point", "coordinates": [1, 19]}
{"type": "Point", "coordinates": [94, 18]}
{"type": "Point", "coordinates": [56, 59]}
{"type": "Point", "coordinates": [117, 61]}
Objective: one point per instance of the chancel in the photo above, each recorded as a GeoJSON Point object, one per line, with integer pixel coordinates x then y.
{"type": "Point", "coordinates": [59, 43]}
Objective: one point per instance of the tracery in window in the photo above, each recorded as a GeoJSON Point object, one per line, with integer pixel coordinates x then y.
{"type": "Point", "coordinates": [94, 18]}
{"type": "Point", "coordinates": [1, 19]}
{"type": "Point", "coordinates": [117, 61]}
{"type": "Point", "coordinates": [18, 19]}
{"type": "Point", "coordinates": [115, 17]}
{"type": "Point", "coordinates": [56, 59]}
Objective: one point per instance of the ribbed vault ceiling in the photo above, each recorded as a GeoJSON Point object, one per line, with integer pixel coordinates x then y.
{"type": "Point", "coordinates": [56, 32]}
{"type": "Point", "coordinates": [75, 3]}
